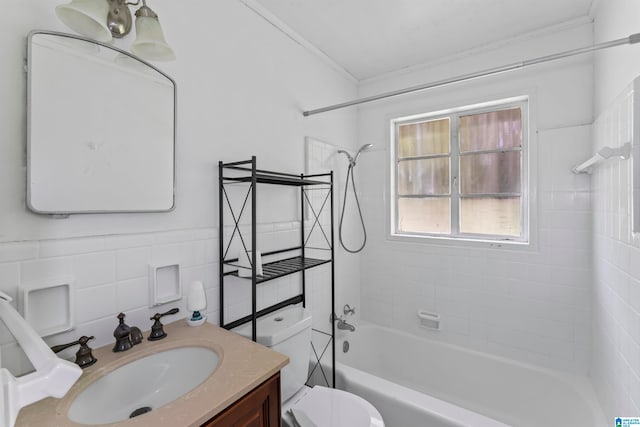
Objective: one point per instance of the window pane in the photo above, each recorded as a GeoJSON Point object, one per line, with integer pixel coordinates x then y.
{"type": "Point", "coordinates": [490, 173]}
{"type": "Point", "coordinates": [491, 131]}
{"type": "Point", "coordinates": [428, 215]}
{"type": "Point", "coordinates": [425, 176]}
{"type": "Point", "coordinates": [490, 216]}
{"type": "Point", "coordinates": [424, 139]}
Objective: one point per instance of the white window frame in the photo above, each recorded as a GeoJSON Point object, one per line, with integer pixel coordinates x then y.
{"type": "Point", "coordinates": [453, 114]}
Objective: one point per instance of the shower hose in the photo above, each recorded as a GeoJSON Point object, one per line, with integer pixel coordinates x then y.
{"type": "Point", "coordinates": [344, 204]}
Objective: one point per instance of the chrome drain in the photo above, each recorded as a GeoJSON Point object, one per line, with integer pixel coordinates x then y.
{"type": "Point", "coordinates": [140, 411]}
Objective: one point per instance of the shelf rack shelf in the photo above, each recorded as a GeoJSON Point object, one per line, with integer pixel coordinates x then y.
{"type": "Point", "coordinates": [284, 267]}
{"type": "Point", "coordinates": [289, 260]}
{"type": "Point", "coordinates": [271, 177]}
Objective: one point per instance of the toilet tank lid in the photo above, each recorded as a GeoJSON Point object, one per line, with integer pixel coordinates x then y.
{"type": "Point", "coordinates": [278, 326]}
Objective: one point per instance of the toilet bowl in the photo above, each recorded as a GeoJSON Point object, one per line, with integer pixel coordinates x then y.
{"type": "Point", "coordinates": [288, 331]}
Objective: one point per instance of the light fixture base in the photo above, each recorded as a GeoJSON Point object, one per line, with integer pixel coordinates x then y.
{"type": "Point", "coordinates": [145, 11]}
{"type": "Point", "coordinates": [119, 19]}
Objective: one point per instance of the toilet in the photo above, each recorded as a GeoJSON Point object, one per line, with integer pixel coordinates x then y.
{"type": "Point", "coordinates": [288, 332]}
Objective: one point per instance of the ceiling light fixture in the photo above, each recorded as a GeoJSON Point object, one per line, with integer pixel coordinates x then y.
{"type": "Point", "coordinates": [103, 20]}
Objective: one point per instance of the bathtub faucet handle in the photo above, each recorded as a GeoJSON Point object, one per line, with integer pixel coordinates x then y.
{"type": "Point", "coordinates": [348, 310]}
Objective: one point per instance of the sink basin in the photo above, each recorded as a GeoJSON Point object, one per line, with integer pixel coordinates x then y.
{"type": "Point", "coordinates": [143, 385]}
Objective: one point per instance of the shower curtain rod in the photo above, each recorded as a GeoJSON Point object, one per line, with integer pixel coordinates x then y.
{"type": "Point", "coordinates": [632, 39]}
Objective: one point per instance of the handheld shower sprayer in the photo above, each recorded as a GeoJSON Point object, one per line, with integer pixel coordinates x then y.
{"type": "Point", "coordinates": [354, 158]}
{"type": "Point", "coordinates": [365, 147]}
{"type": "Point", "coordinates": [352, 165]}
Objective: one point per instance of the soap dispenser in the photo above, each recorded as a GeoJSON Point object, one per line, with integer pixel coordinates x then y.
{"type": "Point", "coordinates": [196, 301]}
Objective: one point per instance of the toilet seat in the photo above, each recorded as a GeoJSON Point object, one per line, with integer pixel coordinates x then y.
{"type": "Point", "coordinates": [328, 407]}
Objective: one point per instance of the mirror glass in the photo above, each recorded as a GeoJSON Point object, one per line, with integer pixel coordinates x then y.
{"type": "Point", "coordinates": [101, 129]}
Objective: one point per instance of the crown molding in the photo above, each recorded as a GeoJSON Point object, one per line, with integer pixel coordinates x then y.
{"type": "Point", "coordinates": [259, 10]}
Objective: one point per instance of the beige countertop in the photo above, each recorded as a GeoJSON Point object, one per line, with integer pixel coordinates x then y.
{"type": "Point", "coordinates": [242, 366]}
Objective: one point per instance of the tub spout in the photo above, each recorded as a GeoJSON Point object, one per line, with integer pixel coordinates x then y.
{"type": "Point", "coordinates": [342, 324]}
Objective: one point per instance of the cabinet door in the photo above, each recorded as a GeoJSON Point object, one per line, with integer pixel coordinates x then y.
{"type": "Point", "coordinates": [258, 408]}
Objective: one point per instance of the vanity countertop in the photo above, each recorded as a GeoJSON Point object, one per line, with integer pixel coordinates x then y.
{"type": "Point", "coordinates": [242, 366]}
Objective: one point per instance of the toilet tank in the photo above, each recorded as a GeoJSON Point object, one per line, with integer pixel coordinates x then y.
{"type": "Point", "coordinates": [286, 331]}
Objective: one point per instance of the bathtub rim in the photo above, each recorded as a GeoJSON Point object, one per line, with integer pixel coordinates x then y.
{"type": "Point", "coordinates": [440, 409]}
{"type": "Point", "coordinates": [582, 385]}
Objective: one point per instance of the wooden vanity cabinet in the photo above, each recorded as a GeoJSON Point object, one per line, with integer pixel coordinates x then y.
{"type": "Point", "coordinates": [258, 408]}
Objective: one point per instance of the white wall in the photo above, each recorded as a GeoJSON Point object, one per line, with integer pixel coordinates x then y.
{"type": "Point", "coordinates": [532, 304]}
{"type": "Point", "coordinates": [614, 68]}
{"type": "Point", "coordinates": [241, 88]}
{"type": "Point", "coordinates": [615, 367]}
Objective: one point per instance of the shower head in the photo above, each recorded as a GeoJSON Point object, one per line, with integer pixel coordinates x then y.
{"type": "Point", "coordinates": [352, 159]}
{"type": "Point", "coordinates": [365, 147]}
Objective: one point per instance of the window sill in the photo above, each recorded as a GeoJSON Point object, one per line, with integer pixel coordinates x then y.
{"type": "Point", "coordinates": [461, 242]}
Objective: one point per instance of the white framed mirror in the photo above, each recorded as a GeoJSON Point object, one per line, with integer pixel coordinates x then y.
{"type": "Point", "coordinates": [101, 129]}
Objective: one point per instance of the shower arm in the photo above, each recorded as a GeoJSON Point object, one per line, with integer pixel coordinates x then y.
{"type": "Point", "coordinates": [352, 161]}
{"type": "Point", "coordinates": [632, 39]}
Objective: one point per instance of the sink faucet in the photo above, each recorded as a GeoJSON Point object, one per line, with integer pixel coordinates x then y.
{"type": "Point", "coordinates": [126, 337]}
{"type": "Point", "coordinates": [122, 334]}
{"type": "Point", "coordinates": [342, 324]}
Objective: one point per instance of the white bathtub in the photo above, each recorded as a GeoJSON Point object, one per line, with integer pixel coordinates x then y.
{"type": "Point", "coordinates": [417, 382]}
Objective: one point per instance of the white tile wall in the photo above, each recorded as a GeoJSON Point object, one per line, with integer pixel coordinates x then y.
{"type": "Point", "coordinates": [18, 251]}
{"type": "Point", "coordinates": [112, 276]}
{"type": "Point", "coordinates": [530, 304]}
{"type": "Point", "coordinates": [322, 157]}
{"type": "Point", "coordinates": [615, 367]}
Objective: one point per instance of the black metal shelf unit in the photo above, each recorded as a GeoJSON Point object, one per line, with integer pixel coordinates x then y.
{"type": "Point", "coordinates": [291, 260]}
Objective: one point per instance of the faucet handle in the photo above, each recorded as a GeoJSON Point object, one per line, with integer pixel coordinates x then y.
{"type": "Point", "coordinates": [158, 316]}
{"type": "Point", "coordinates": [157, 331]}
{"type": "Point", "coordinates": [84, 357]}
{"type": "Point", "coordinates": [59, 348]}
{"type": "Point", "coordinates": [348, 309]}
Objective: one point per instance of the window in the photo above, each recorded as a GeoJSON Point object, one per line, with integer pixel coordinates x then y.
{"type": "Point", "coordinates": [462, 173]}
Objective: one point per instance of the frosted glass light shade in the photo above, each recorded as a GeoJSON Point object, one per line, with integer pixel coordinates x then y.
{"type": "Point", "coordinates": [150, 43]}
{"type": "Point", "coordinates": [86, 17]}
